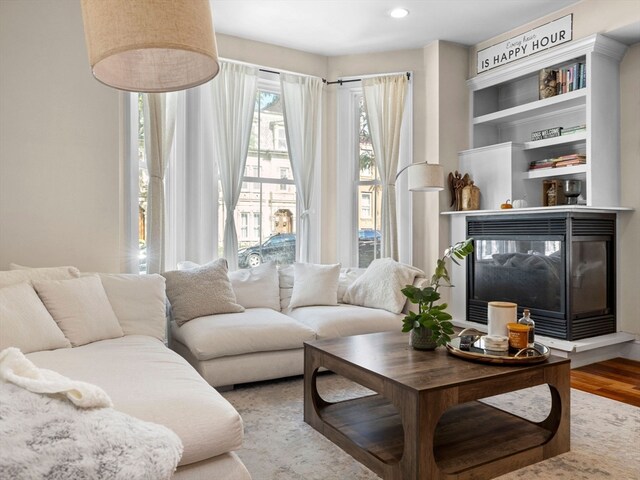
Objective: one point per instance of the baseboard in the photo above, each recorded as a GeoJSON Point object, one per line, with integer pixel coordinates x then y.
{"type": "Point", "coordinates": [632, 351]}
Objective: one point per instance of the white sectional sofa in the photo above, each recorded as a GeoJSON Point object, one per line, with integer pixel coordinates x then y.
{"type": "Point", "coordinates": [267, 343]}
{"type": "Point", "coordinates": [143, 377]}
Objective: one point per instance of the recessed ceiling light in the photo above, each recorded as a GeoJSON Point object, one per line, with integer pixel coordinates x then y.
{"type": "Point", "coordinates": [399, 12]}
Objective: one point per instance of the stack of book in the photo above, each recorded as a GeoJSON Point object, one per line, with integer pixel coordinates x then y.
{"type": "Point", "coordinates": [567, 79]}
{"type": "Point", "coordinates": [563, 161]}
{"type": "Point", "coordinates": [572, 159]}
{"type": "Point", "coordinates": [570, 78]}
{"type": "Point", "coordinates": [571, 130]}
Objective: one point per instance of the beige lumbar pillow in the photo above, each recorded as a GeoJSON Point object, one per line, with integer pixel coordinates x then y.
{"type": "Point", "coordinates": [314, 284]}
{"type": "Point", "coordinates": [81, 309]}
{"type": "Point", "coordinates": [201, 291]}
{"type": "Point", "coordinates": [380, 286]}
{"type": "Point", "coordinates": [25, 323]}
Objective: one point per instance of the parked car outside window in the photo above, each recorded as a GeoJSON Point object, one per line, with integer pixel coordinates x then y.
{"type": "Point", "coordinates": [279, 248]}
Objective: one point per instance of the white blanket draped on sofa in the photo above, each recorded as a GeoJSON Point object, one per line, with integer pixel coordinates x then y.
{"type": "Point", "coordinates": [42, 435]}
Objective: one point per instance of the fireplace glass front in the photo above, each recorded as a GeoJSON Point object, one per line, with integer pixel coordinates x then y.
{"type": "Point", "coordinates": [526, 272]}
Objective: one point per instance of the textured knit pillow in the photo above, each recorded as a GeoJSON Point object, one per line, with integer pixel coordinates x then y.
{"type": "Point", "coordinates": [314, 284]}
{"type": "Point", "coordinates": [201, 291]}
{"type": "Point", "coordinates": [81, 309]}
{"type": "Point", "coordinates": [25, 323]}
{"type": "Point", "coordinates": [381, 284]}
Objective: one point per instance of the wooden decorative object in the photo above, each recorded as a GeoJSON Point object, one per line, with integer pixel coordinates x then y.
{"type": "Point", "coordinates": [552, 193]}
{"type": "Point", "coordinates": [464, 194]}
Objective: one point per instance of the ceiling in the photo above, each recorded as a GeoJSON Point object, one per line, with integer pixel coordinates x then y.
{"type": "Point", "coordinates": [343, 27]}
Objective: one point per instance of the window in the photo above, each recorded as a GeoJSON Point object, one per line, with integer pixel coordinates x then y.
{"type": "Point", "coordinates": [369, 188]}
{"type": "Point", "coordinates": [268, 193]}
{"type": "Point", "coordinates": [244, 226]}
{"type": "Point", "coordinates": [284, 174]}
{"type": "Point", "coordinates": [359, 189]}
{"type": "Point", "coordinates": [143, 189]}
{"type": "Point", "coordinates": [256, 225]}
{"type": "Point", "coordinates": [279, 137]}
{"type": "Point", "coordinates": [194, 207]}
{"type": "Point", "coordinates": [365, 206]}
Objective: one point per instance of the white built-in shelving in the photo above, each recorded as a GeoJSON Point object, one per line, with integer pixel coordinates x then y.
{"type": "Point", "coordinates": [506, 109]}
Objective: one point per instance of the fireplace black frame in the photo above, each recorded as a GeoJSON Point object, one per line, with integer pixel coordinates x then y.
{"type": "Point", "coordinates": [570, 228]}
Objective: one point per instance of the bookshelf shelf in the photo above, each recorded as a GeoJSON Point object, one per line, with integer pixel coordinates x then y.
{"type": "Point", "coordinates": [567, 171]}
{"type": "Point", "coordinates": [561, 140]}
{"type": "Point", "coordinates": [539, 107]}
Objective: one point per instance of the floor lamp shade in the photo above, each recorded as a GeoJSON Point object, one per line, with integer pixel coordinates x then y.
{"type": "Point", "coordinates": [150, 45]}
{"type": "Point", "coordinates": [424, 177]}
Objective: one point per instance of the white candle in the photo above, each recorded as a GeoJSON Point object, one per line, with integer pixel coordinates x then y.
{"type": "Point", "coordinates": [499, 314]}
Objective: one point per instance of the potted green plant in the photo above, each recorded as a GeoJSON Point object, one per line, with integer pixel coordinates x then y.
{"type": "Point", "coordinates": [431, 326]}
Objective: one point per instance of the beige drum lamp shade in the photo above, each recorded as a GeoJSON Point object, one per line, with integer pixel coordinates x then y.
{"type": "Point", "coordinates": [424, 177]}
{"type": "Point", "coordinates": [150, 45]}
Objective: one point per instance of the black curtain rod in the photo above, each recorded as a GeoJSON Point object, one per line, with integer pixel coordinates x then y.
{"type": "Point", "coordinates": [340, 82]}
{"type": "Point", "coordinates": [324, 80]}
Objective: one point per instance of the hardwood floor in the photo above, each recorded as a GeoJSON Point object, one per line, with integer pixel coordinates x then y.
{"type": "Point", "coordinates": [618, 379]}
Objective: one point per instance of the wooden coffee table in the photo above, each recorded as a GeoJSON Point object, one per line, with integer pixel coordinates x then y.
{"type": "Point", "coordinates": [425, 422]}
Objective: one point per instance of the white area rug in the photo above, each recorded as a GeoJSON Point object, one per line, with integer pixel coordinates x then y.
{"type": "Point", "coordinates": [278, 445]}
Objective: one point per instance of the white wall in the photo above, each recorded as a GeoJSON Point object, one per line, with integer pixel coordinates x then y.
{"type": "Point", "coordinates": [59, 163]}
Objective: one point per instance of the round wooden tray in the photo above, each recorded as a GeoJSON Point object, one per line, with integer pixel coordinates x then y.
{"type": "Point", "coordinates": [539, 353]}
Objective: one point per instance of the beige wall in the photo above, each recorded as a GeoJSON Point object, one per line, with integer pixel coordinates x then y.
{"type": "Point", "coordinates": [629, 223]}
{"type": "Point", "coordinates": [59, 162]}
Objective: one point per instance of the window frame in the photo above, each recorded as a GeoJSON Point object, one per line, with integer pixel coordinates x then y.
{"type": "Point", "coordinates": [348, 179]}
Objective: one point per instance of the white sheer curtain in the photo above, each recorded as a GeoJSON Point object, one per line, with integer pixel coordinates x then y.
{"type": "Point", "coordinates": [159, 128]}
{"type": "Point", "coordinates": [384, 102]}
{"type": "Point", "coordinates": [233, 98]}
{"type": "Point", "coordinates": [302, 106]}
{"type": "Point", "coordinates": [191, 183]}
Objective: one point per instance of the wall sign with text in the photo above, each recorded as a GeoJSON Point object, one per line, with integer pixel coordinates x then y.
{"type": "Point", "coordinates": [537, 40]}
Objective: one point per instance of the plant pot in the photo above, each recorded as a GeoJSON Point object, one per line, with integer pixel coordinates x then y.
{"type": "Point", "coordinates": [420, 339]}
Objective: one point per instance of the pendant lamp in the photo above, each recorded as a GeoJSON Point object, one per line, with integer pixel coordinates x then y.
{"type": "Point", "coordinates": [150, 45]}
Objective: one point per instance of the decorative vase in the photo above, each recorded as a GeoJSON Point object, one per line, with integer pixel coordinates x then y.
{"type": "Point", "coordinates": [420, 339]}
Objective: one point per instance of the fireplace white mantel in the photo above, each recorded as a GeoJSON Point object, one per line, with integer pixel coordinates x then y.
{"type": "Point", "coordinates": [582, 351]}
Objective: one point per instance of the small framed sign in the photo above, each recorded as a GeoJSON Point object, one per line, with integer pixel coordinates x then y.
{"type": "Point", "coordinates": [534, 41]}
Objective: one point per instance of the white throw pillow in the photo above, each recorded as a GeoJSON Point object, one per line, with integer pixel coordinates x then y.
{"type": "Point", "coordinates": [285, 279]}
{"type": "Point", "coordinates": [257, 287]}
{"type": "Point", "coordinates": [25, 323]}
{"type": "Point", "coordinates": [347, 277]}
{"type": "Point", "coordinates": [314, 284]}
{"type": "Point", "coordinates": [381, 284]}
{"type": "Point", "coordinates": [81, 309]}
{"type": "Point", "coordinates": [201, 291]}
{"type": "Point", "coordinates": [23, 274]}
{"type": "Point", "coordinates": [138, 302]}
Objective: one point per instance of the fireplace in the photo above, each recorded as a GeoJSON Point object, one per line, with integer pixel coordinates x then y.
{"type": "Point", "coordinates": [558, 265]}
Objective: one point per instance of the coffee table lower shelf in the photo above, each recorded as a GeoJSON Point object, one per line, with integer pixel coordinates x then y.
{"type": "Point", "coordinates": [467, 435]}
